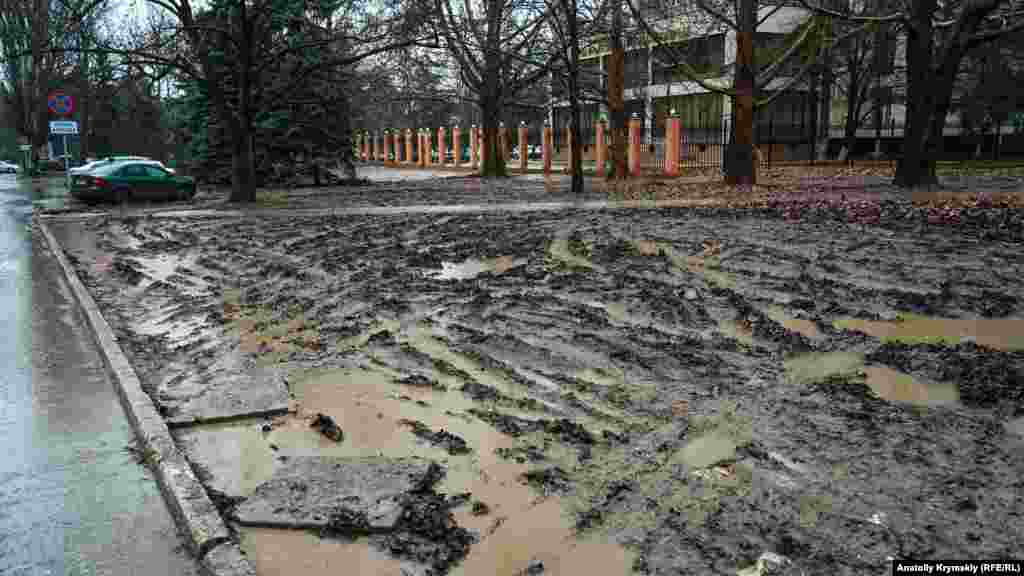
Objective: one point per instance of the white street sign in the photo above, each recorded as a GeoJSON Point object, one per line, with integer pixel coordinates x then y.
{"type": "Point", "coordinates": [63, 127]}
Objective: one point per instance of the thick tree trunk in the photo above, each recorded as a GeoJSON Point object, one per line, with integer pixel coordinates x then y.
{"type": "Point", "coordinates": [574, 100]}
{"type": "Point", "coordinates": [916, 168]}
{"type": "Point", "coordinates": [243, 178]}
{"type": "Point", "coordinates": [242, 181]}
{"type": "Point", "coordinates": [40, 76]}
{"type": "Point", "coordinates": [491, 98]}
{"type": "Point", "coordinates": [825, 108]}
{"type": "Point", "coordinates": [739, 161]}
{"type": "Point", "coordinates": [616, 95]}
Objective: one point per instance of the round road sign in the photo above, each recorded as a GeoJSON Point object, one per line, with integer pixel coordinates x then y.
{"type": "Point", "coordinates": [60, 103]}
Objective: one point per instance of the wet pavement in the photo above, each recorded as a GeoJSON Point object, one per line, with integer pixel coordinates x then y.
{"type": "Point", "coordinates": [73, 499]}
{"type": "Point", "coordinates": [652, 391]}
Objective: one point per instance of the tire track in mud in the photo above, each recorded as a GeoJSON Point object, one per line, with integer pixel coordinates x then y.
{"type": "Point", "coordinates": [669, 336]}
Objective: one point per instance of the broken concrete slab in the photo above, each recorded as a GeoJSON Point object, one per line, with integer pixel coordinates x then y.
{"type": "Point", "coordinates": [312, 492]}
{"type": "Point", "coordinates": [234, 393]}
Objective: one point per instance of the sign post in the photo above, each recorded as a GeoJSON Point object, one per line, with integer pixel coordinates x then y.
{"type": "Point", "coordinates": [64, 128]}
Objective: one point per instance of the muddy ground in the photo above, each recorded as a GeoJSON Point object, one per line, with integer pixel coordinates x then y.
{"type": "Point", "coordinates": [650, 391]}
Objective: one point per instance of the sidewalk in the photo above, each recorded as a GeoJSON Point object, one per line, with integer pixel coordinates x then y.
{"type": "Point", "coordinates": [74, 500]}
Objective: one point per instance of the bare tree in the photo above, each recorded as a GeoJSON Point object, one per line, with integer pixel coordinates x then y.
{"type": "Point", "coordinates": [939, 34]}
{"type": "Point", "coordinates": [803, 50]}
{"type": "Point", "coordinates": [493, 53]}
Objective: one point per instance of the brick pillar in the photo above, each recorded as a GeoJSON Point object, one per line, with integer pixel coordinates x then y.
{"type": "Point", "coordinates": [546, 149]}
{"type": "Point", "coordinates": [523, 147]}
{"type": "Point", "coordinates": [366, 146]}
{"type": "Point", "coordinates": [483, 148]}
{"type": "Point", "coordinates": [457, 145]}
{"type": "Point", "coordinates": [503, 143]}
{"type": "Point", "coordinates": [441, 148]}
{"type": "Point", "coordinates": [634, 145]}
{"type": "Point", "coordinates": [474, 142]}
{"type": "Point", "coordinates": [424, 150]}
{"type": "Point", "coordinates": [387, 147]}
{"type": "Point", "coordinates": [408, 146]}
{"type": "Point", "coordinates": [600, 148]}
{"type": "Point", "coordinates": [568, 148]}
{"type": "Point", "coordinates": [672, 145]}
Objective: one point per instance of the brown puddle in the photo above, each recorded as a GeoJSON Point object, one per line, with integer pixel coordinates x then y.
{"type": "Point", "coordinates": [897, 386]}
{"type": "Point", "coordinates": [806, 328]}
{"type": "Point", "coordinates": [297, 552]}
{"type": "Point", "coordinates": [474, 267]}
{"type": "Point", "coordinates": [520, 527]}
{"type": "Point", "coordinates": [997, 333]}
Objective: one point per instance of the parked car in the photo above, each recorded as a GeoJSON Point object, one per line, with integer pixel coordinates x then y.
{"type": "Point", "coordinates": [8, 168]}
{"type": "Point", "coordinates": [132, 179]}
{"type": "Point", "coordinates": [93, 163]}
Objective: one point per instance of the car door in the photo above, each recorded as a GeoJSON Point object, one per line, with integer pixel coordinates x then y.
{"type": "Point", "coordinates": [160, 182]}
{"type": "Point", "coordinates": [133, 177]}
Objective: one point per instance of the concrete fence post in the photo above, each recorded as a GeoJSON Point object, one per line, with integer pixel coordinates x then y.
{"type": "Point", "coordinates": [600, 147]}
{"type": "Point", "coordinates": [634, 145]}
{"type": "Point", "coordinates": [524, 151]}
{"type": "Point", "coordinates": [672, 144]}
{"type": "Point", "coordinates": [546, 149]}
{"type": "Point", "coordinates": [474, 150]}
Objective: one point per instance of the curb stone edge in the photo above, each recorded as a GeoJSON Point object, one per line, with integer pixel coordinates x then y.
{"type": "Point", "coordinates": [207, 535]}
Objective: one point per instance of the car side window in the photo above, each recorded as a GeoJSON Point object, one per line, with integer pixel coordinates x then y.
{"type": "Point", "coordinates": [131, 171]}
{"type": "Point", "coordinates": [154, 172]}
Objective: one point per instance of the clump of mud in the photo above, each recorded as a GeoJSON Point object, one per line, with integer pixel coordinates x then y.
{"type": "Point", "coordinates": [328, 427]}
{"type": "Point", "coordinates": [442, 438]}
{"type": "Point", "coordinates": [548, 481]}
{"type": "Point", "coordinates": [420, 381]}
{"type": "Point", "coordinates": [425, 533]}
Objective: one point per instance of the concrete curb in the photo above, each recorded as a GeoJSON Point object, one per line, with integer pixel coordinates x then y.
{"type": "Point", "coordinates": [207, 534]}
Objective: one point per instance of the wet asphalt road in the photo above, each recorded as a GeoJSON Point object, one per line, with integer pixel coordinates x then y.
{"type": "Point", "coordinates": [73, 500]}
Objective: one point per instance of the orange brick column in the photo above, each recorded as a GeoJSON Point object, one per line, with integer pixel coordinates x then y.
{"type": "Point", "coordinates": [483, 147]}
{"type": "Point", "coordinates": [424, 152]}
{"type": "Point", "coordinates": [546, 149]}
{"type": "Point", "coordinates": [523, 148]}
{"type": "Point", "coordinates": [366, 146]}
{"type": "Point", "coordinates": [634, 145]}
{"type": "Point", "coordinates": [441, 148]}
{"type": "Point", "coordinates": [503, 143]}
{"type": "Point", "coordinates": [672, 145]}
{"type": "Point", "coordinates": [457, 145]}
{"type": "Point", "coordinates": [600, 148]}
{"type": "Point", "coordinates": [408, 146]}
{"type": "Point", "coordinates": [474, 150]}
{"type": "Point", "coordinates": [568, 144]}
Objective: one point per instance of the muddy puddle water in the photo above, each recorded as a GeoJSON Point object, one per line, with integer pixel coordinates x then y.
{"type": "Point", "coordinates": [897, 386]}
{"type": "Point", "coordinates": [474, 267]}
{"type": "Point", "coordinates": [297, 552]}
{"type": "Point", "coordinates": [998, 333]}
{"type": "Point", "coordinates": [520, 527]}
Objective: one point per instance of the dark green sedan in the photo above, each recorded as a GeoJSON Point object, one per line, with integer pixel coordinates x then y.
{"type": "Point", "coordinates": [131, 180]}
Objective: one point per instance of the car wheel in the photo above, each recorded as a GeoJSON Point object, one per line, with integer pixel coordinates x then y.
{"type": "Point", "coordinates": [122, 194]}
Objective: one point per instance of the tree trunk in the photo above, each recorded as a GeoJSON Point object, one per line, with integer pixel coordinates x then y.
{"type": "Point", "coordinates": [84, 100]}
{"type": "Point", "coordinates": [574, 100]}
{"type": "Point", "coordinates": [243, 180]}
{"type": "Point", "coordinates": [739, 161]}
{"type": "Point", "coordinates": [825, 108]}
{"type": "Point", "coordinates": [616, 95]}
{"type": "Point", "coordinates": [491, 98]}
{"type": "Point", "coordinates": [916, 168]}
{"type": "Point", "coordinates": [40, 76]}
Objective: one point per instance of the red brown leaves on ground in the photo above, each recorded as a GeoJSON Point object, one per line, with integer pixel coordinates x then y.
{"type": "Point", "coordinates": [857, 194]}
